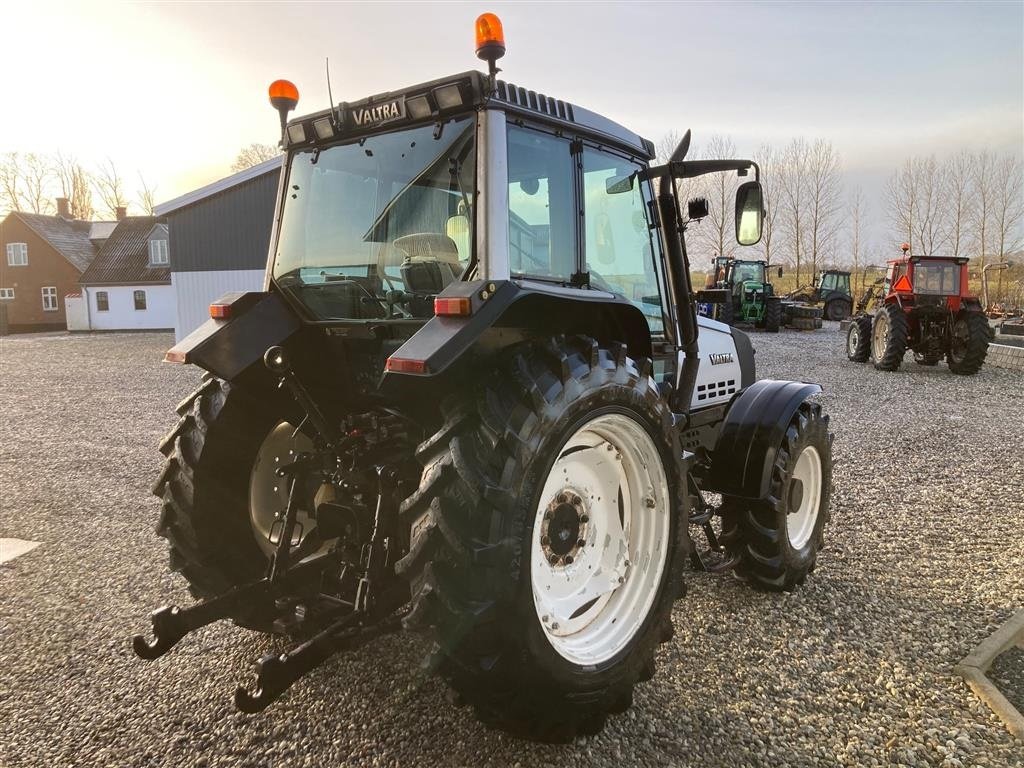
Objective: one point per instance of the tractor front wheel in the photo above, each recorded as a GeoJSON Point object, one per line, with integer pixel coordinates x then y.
{"type": "Point", "coordinates": [858, 339]}
{"type": "Point", "coordinates": [889, 337]}
{"type": "Point", "coordinates": [548, 537]}
{"type": "Point", "coordinates": [778, 538]}
{"type": "Point", "coordinates": [969, 344]}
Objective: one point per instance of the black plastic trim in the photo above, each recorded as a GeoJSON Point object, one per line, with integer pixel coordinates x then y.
{"type": "Point", "coordinates": [741, 463]}
{"type": "Point", "coordinates": [745, 357]}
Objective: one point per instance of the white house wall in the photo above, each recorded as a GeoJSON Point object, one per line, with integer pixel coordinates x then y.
{"type": "Point", "coordinates": [122, 315]}
{"type": "Point", "coordinates": [197, 290]}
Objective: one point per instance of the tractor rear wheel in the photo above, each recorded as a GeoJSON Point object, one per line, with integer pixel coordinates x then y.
{"type": "Point", "coordinates": [205, 488]}
{"type": "Point", "coordinates": [969, 344]}
{"type": "Point", "coordinates": [548, 537]}
{"type": "Point", "coordinates": [772, 315]}
{"type": "Point", "coordinates": [889, 337]}
{"type": "Point", "coordinates": [838, 309]}
{"type": "Point", "coordinates": [778, 538]}
{"type": "Point", "coordinates": [858, 339]}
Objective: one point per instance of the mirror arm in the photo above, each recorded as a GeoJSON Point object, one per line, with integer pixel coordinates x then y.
{"type": "Point", "coordinates": [689, 169]}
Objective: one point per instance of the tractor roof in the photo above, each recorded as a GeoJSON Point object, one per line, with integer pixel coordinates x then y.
{"type": "Point", "coordinates": [908, 258]}
{"type": "Point", "coordinates": [437, 99]}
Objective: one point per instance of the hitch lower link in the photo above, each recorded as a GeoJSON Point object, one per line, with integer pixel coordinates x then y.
{"type": "Point", "coordinates": [372, 613]}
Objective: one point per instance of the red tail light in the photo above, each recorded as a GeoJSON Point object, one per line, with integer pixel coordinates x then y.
{"type": "Point", "coordinates": [404, 365]}
{"type": "Point", "coordinates": [453, 306]}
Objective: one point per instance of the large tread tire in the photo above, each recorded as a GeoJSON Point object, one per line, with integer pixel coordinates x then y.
{"type": "Point", "coordinates": [966, 358]}
{"type": "Point", "coordinates": [838, 309]}
{"type": "Point", "coordinates": [756, 531]}
{"type": "Point", "coordinates": [772, 315]}
{"type": "Point", "coordinates": [204, 489]}
{"type": "Point", "coordinates": [858, 339]}
{"type": "Point", "coordinates": [471, 525]}
{"type": "Point", "coordinates": [727, 313]}
{"type": "Point", "coordinates": [887, 354]}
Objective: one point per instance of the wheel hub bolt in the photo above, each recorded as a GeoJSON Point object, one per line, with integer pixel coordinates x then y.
{"type": "Point", "coordinates": [567, 560]}
{"type": "Point", "coordinates": [581, 543]}
{"type": "Point", "coordinates": [553, 560]}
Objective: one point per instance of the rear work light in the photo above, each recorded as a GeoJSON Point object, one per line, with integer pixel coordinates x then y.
{"type": "Point", "coordinates": [452, 306]}
{"type": "Point", "coordinates": [404, 365]}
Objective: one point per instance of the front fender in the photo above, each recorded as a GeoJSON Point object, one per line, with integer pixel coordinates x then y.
{"type": "Point", "coordinates": [749, 440]}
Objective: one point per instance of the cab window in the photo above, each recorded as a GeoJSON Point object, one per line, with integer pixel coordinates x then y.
{"type": "Point", "coordinates": [541, 213]}
{"type": "Point", "coordinates": [618, 248]}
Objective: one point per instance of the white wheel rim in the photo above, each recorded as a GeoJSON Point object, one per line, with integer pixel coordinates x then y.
{"type": "Point", "coordinates": [803, 512]}
{"type": "Point", "coordinates": [268, 493]}
{"type": "Point", "coordinates": [880, 336]}
{"type": "Point", "coordinates": [592, 599]}
{"type": "Point", "coordinates": [853, 340]}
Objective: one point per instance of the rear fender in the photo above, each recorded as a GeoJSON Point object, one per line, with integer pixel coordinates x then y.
{"type": "Point", "coordinates": [504, 313]}
{"type": "Point", "coordinates": [749, 440]}
{"type": "Point", "coordinates": [226, 348]}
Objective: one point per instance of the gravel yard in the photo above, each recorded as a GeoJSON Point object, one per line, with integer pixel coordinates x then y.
{"type": "Point", "coordinates": [925, 557]}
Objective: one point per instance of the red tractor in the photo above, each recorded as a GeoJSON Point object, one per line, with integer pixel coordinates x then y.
{"type": "Point", "coordinates": [923, 305]}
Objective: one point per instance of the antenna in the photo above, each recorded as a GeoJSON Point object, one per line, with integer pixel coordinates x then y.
{"type": "Point", "coordinates": [330, 96]}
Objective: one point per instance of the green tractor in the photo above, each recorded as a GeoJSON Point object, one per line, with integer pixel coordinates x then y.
{"type": "Point", "coordinates": [830, 292]}
{"type": "Point", "coordinates": [750, 297]}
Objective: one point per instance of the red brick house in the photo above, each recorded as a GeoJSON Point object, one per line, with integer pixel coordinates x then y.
{"type": "Point", "coordinates": [41, 259]}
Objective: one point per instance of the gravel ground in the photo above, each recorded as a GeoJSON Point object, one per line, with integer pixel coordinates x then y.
{"type": "Point", "coordinates": [1007, 673]}
{"type": "Point", "coordinates": [925, 558]}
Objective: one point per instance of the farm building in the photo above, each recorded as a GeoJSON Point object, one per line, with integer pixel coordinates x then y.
{"type": "Point", "coordinates": [41, 260]}
{"type": "Point", "coordinates": [128, 285]}
{"type": "Point", "coordinates": [219, 238]}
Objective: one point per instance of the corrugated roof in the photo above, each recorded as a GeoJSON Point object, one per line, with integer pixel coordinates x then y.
{"type": "Point", "coordinates": [69, 237]}
{"type": "Point", "coordinates": [273, 165]}
{"type": "Point", "coordinates": [124, 256]}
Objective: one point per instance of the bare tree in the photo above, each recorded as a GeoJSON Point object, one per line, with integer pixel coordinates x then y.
{"type": "Point", "coordinates": [984, 195]}
{"type": "Point", "coordinates": [146, 196]}
{"type": "Point", "coordinates": [75, 185]}
{"type": "Point", "coordinates": [959, 199]}
{"type": "Point", "coordinates": [901, 201]}
{"type": "Point", "coordinates": [717, 231]}
{"type": "Point", "coordinates": [253, 154]}
{"type": "Point", "coordinates": [772, 177]}
{"type": "Point", "coordinates": [825, 193]}
{"type": "Point", "coordinates": [10, 182]}
{"type": "Point", "coordinates": [795, 195]}
{"type": "Point", "coordinates": [857, 207]}
{"type": "Point", "coordinates": [110, 188]}
{"type": "Point", "coordinates": [1007, 204]}
{"type": "Point", "coordinates": [666, 146]}
{"type": "Point", "coordinates": [930, 223]}
{"type": "Point", "coordinates": [35, 180]}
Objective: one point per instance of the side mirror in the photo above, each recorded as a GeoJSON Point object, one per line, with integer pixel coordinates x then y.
{"type": "Point", "coordinates": [697, 208]}
{"type": "Point", "coordinates": [749, 213]}
{"type": "Point", "coordinates": [780, 271]}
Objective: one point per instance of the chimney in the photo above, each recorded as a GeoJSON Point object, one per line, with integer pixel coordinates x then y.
{"type": "Point", "coordinates": [63, 208]}
{"type": "Point", "coordinates": [122, 211]}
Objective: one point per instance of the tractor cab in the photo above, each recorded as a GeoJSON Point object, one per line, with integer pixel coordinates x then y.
{"type": "Point", "coordinates": [927, 281]}
{"type": "Point", "coordinates": [833, 281]}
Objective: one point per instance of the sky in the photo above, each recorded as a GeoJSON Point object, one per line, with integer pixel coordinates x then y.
{"type": "Point", "coordinates": [173, 90]}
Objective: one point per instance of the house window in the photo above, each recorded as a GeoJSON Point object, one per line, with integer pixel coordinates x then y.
{"type": "Point", "coordinates": [49, 298]}
{"type": "Point", "coordinates": [17, 254]}
{"type": "Point", "coordinates": [158, 253]}
{"type": "Point", "coordinates": [6, 294]}
{"type": "Point", "coordinates": [102, 301]}
{"type": "Point", "coordinates": [140, 300]}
